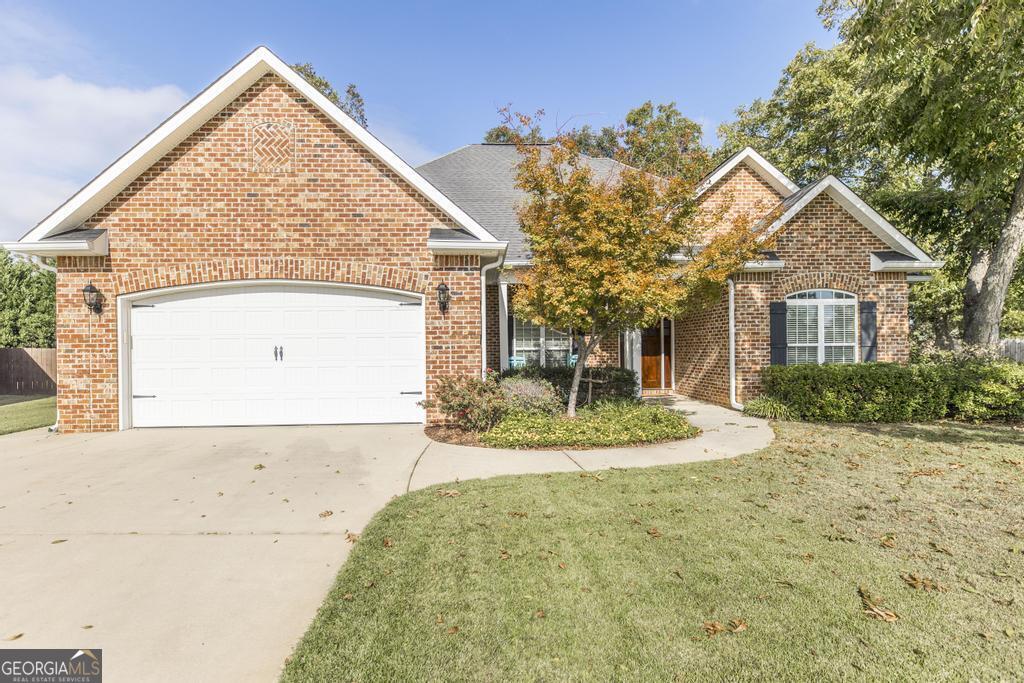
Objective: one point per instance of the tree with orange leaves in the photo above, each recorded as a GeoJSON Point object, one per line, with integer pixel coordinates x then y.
{"type": "Point", "coordinates": [618, 252]}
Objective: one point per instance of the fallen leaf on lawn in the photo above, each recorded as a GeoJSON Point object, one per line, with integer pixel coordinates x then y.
{"type": "Point", "coordinates": [348, 596]}
{"type": "Point", "coordinates": [713, 628]}
{"type": "Point", "coordinates": [807, 557]}
{"type": "Point", "coordinates": [439, 619]}
{"type": "Point", "coordinates": [1005, 602]}
{"type": "Point", "coordinates": [504, 554]}
{"type": "Point", "coordinates": [1010, 632]}
{"type": "Point", "coordinates": [516, 513]}
{"type": "Point", "coordinates": [539, 614]}
{"type": "Point", "coordinates": [259, 466]}
{"type": "Point", "coordinates": [986, 636]}
{"type": "Point", "coordinates": [737, 625]}
{"type": "Point", "coordinates": [955, 465]}
{"type": "Point", "coordinates": [325, 514]}
{"type": "Point", "coordinates": [351, 537]}
{"type": "Point", "coordinates": [922, 583]}
{"type": "Point", "coordinates": [888, 541]}
{"type": "Point", "coordinates": [873, 607]}
{"type": "Point", "coordinates": [589, 475]}
{"type": "Point", "coordinates": [59, 540]}
{"type": "Point", "coordinates": [653, 532]}
{"type": "Point", "coordinates": [453, 630]}
{"type": "Point", "coordinates": [783, 582]}
{"type": "Point", "coordinates": [928, 472]}
{"type": "Point", "coordinates": [972, 589]}
{"type": "Point", "coordinates": [561, 565]}
{"type": "Point", "coordinates": [940, 548]}
{"type": "Point", "coordinates": [388, 543]}
{"type": "Point", "coordinates": [448, 493]}
{"type": "Point", "coordinates": [369, 584]}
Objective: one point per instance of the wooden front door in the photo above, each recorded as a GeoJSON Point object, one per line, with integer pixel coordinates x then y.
{"type": "Point", "coordinates": [656, 356]}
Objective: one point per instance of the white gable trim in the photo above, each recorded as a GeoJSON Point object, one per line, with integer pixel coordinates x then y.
{"type": "Point", "coordinates": [859, 209]}
{"type": "Point", "coordinates": [88, 246]}
{"type": "Point", "coordinates": [771, 175]}
{"type": "Point", "coordinates": [198, 111]}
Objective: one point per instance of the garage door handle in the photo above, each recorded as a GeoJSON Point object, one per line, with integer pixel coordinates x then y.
{"type": "Point", "coordinates": [411, 393]}
{"type": "Point", "coordinates": [275, 353]}
{"type": "Point", "coordinates": [143, 395]}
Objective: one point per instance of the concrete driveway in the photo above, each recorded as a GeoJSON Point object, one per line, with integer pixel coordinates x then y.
{"type": "Point", "coordinates": [203, 554]}
{"type": "Point", "coordinates": [173, 553]}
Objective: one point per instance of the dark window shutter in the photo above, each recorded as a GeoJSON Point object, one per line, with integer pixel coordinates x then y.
{"type": "Point", "coordinates": [868, 331]}
{"type": "Point", "coordinates": [777, 328]}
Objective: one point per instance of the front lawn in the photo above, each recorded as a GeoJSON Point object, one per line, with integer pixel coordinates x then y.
{"type": "Point", "coordinates": [749, 568]}
{"type": "Point", "coordinates": [18, 413]}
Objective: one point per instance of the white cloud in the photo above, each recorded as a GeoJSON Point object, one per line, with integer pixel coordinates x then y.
{"type": "Point", "coordinates": [58, 132]}
{"type": "Point", "coordinates": [401, 143]}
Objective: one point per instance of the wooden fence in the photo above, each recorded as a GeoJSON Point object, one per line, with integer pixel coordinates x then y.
{"type": "Point", "coordinates": [28, 371]}
{"type": "Point", "coordinates": [1013, 348]}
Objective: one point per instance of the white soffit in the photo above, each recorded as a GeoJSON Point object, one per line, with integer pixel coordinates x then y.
{"type": "Point", "coordinates": [200, 109]}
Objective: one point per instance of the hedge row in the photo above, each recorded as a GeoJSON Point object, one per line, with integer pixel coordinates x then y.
{"type": "Point", "coordinates": [889, 392]}
{"type": "Point", "coordinates": [608, 381]}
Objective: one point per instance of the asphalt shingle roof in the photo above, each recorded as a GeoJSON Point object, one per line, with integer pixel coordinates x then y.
{"type": "Point", "coordinates": [480, 178]}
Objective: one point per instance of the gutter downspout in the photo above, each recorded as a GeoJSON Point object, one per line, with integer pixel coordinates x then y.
{"type": "Point", "coordinates": [732, 347]}
{"type": "Point", "coordinates": [483, 313]}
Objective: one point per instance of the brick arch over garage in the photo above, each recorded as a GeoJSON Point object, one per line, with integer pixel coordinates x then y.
{"type": "Point", "coordinates": [282, 268]}
{"type": "Point", "coordinates": [824, 280]}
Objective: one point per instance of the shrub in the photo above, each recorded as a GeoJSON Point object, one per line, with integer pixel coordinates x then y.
{"type": "Point", "coordinates": [608, 423]}
{"type": "Point", "coordinates": [468, 402]}
{"type": "Point", "coordinates": [960, 388]}
{"type": "Point", "coordinates": [531, 395]}
{"type": "Point", "coordinates": [768, 408]}
{"type": "Point", "coordinates": [610, 382]}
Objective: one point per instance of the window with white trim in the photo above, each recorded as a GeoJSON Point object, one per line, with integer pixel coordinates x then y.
{"type": "Point", "coordinates": [821, 327]}
{"type": "Point", "coordinates": [539, 345]}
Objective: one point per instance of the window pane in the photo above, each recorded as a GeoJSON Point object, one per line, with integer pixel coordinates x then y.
{"type": "Point", "coordinates": [526, 343]}
{"type": "Point", "coordinates": [556, 348]}
{"type": "Point", "coordinates": [801, 355]}
{"type": "Point", "coordinates": [839, 324]}
{"type": "Point", "coordinates": [839, 354]}
{"type": "Point", "coordinates": [801, 324]}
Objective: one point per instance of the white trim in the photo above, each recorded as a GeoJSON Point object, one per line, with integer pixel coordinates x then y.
{"type": "Point", "coordinates": [764, 266]}
{"type": "Point", "coordinates": [673, 342]}
{"type": "Point", "coordinates": [124, 309]}
{"type": "Point", "coordinates": [919, 277]}
{"type": "Point", "coordinates": [96, 246]}
{"type": "Point", "coordinates": [483, 314]}
{"type": "Point", "coordinates": [198, 111]}
{"type": "Point", "coordinates": [503, 324]}
{"type": "Point", "coordinates": [880, 266]}
{"type": "Point", "coordinates": [736, 405]}
{"type": "Point", "coordinates": [857, 207]}
{"type": "Point", "coordinates": [466, 247]}
{"type": "Point", "coordinates": [764, 168]}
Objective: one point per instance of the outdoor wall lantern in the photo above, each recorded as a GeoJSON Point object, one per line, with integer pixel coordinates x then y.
{"type": "Point", "coordinates": [444, 297]}
{"type": "Point", "coordinates": [93, 298]}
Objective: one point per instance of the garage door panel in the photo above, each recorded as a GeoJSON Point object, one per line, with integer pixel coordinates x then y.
{"type": "Point", "coordinates": [208, 357]}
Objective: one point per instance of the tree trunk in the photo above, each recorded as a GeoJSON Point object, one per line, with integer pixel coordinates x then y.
{"type": "Point", "coordinates": [581, 363]}
{"type": "Point", "coordinates": [980, 259]}
{"type": "Point", "coordinates": [981, 323]}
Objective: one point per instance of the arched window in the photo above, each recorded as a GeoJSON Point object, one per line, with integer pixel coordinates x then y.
{"type": "Point", "coordinates": [821, 327]}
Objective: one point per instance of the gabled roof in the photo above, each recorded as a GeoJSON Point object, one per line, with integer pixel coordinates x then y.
{"type": "Point", "coordinates": [481, 178]}
{"type": "Point", "coordinates": [912, 255]}
{"type": "Point", "coordinates": [261, 61]}
{"type": "Point", "coordinates": [765, 169]}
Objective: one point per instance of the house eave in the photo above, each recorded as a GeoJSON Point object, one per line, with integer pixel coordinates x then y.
{"type": "Point", "coordinates": [455, 247]}
{"type": "Point", "coordinates": [97, 246]}
{"type": "Point", "coordinates": [910, 266]}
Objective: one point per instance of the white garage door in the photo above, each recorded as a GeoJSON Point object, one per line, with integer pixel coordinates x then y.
{"type": "Point", "coordinates": [274, 354]}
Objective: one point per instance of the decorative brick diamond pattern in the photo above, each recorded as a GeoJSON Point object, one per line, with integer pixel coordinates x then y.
{"type": "Point", "coordinates": [272, 146]}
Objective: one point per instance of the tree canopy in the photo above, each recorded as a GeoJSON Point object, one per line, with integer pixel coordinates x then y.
{"type": "Point", "coordinates": [28, 304]}
{"type": "Point", "coordinates": [352, 103]}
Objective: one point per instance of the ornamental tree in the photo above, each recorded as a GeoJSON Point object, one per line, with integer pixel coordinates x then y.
{"type": "Point", "coordinates": [617, 252]}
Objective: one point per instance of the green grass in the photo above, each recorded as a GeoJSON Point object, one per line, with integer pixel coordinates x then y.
{"type": "Point", "coordinates": [18, 413]}
{"type": "Point", "coordinates": [627, 567]}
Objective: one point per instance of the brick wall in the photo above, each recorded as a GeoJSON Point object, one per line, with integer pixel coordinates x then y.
{"type": "Point", "coordinates": [223, 205]}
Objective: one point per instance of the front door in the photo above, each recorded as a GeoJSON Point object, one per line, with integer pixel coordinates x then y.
{"type": "Point", "coordinates": [656, 356]}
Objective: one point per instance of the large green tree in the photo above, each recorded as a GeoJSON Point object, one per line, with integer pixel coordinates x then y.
{"type": "Point", "coordinates": [946, 85]}
{"type": "Point", "coordinates": [28, 304]}
{"type": "Point", "coordinates": [819, 121]}
{"type": "Point", "coordinates": [351, 103]}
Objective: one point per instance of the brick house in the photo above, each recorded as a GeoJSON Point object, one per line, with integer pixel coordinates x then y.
{"type": "Point", "coordinates": [260, 258]}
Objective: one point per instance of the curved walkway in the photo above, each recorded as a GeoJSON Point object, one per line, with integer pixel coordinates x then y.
{"type": "Point", "coordinates": [726, 434]}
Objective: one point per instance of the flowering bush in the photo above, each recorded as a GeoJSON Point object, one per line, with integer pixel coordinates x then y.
{"type": "Point", "coordinates": [531, 395]}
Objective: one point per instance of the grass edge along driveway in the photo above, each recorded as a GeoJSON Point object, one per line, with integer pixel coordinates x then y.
{"type": "Point", "coordinates": [18, 413]}
{"type": "Point", "coordinates": [885, 552]}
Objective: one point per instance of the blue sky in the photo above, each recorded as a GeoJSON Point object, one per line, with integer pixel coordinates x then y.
{"type": "Point", "coordinates": [89, 78]}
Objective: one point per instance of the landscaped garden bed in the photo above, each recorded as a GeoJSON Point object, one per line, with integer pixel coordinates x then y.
{"type": "Point", "coordinates": [526, 410]}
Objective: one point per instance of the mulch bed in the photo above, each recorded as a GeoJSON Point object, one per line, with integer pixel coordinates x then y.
{"type": "Point", "coordinates": [454, 435]}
